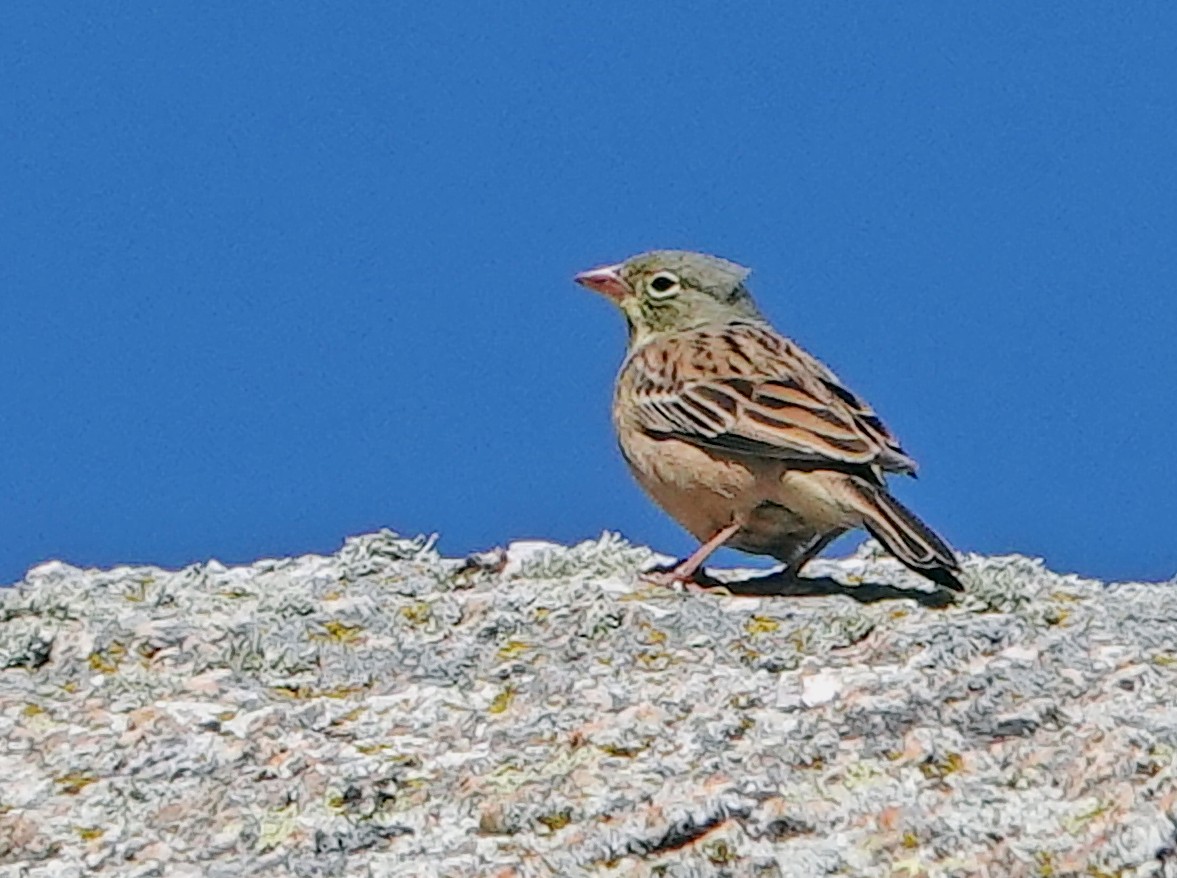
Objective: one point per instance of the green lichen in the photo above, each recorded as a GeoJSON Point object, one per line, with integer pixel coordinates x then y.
{"type": "Point", "coordinates": [1075, 822]}
{"type": "Point", "coordinates": [276, 827]}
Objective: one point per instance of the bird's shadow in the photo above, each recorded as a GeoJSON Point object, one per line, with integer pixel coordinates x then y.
{"type": "Point", "coordinates": [780, 584]}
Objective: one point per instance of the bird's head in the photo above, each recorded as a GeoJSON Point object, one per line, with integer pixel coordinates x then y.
{"type": "Point", "coordinates": [665, 291]}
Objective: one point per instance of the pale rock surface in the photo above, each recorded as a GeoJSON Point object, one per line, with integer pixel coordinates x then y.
{"type": "Point", "coordinates": [536, 711]}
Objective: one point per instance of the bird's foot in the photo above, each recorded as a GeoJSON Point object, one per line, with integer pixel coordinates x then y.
{"type": "Point", "coordinates": [678, 579]}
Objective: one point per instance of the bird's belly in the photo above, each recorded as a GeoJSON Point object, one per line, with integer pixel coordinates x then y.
{"type": "Point", "coordinates": [772, 529]}
{"type": "Point", "coordinates": [792, 515]}
{"type": "Point", "coordinates": [702, 492]}
{"type": "Point", "coordinates": [705, 492]}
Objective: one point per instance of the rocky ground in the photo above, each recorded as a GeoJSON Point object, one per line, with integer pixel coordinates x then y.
{"type": "Point", "coordinates": [386, 711]}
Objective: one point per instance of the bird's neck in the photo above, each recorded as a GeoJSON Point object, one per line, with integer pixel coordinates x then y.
{"type": "Point", "coordinates": [639, 338]}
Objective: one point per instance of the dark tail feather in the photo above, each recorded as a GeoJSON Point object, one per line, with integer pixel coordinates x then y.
{"type": "Point", "coordinates": [906, 537]}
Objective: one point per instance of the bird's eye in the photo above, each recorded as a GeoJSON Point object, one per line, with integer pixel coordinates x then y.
{"type": "Point", "coordinates": [663, 285]}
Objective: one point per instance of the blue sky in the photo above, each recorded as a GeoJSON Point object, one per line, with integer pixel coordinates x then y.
{"type": "Point", "coordinates": [273, 274]}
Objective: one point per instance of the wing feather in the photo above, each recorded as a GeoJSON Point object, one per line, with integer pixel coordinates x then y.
{"type": "Point", "coordinates": [744, 389]}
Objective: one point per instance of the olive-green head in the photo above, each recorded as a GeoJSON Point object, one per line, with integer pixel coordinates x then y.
{"type": "Point", "coordinates": [665, 291]}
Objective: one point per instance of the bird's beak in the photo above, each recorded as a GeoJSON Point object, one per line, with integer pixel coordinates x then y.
{"type": "Point", "coordinates": [606, 280]}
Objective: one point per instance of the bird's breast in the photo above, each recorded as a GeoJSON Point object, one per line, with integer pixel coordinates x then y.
{"type": "Point", "coordinates": [701, 491]}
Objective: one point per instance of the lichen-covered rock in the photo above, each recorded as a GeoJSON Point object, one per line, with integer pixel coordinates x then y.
{"type": "Point", "coordinates": [538, 711]}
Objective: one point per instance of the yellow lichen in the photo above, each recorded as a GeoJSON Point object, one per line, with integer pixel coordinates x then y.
{"type": "Point", "coordinates": [1055, 615]}
{"type": "Point", "coordinates": [654, 660]}
{"type": "Point", "coordinates": [940, 768]}
{"type": "Point", "coordinates": [719, 852]}
{"type": "Point", "coordinates": [622, 751]}
{"type": "Point", "coordinates": [417, 613]}
{"type": "Point", "coordinates": [513, 648]}
{"type": "Point", "coordinates": [351, 716]}
{"type": "Point", "coordinates": [276, 827]}
{"type": "Point", "coordinates": [102, 664]}
{"type": "Point", "coordinates": [341, 691]}
{"type": "Point", "coordinates": [73, 783]}
{"type": "Point", "coordinates": [106, 661]}
{"type": "Point", "coordinates": [859, 774]}
{"type": "Point", "coordinates": [651, 635]}
{"type": "Point", "coordinates": [340, 632]}
{"type": "Point", "coordinates": [136, 593]}
{"type": "Point", "coordinates": [502, 701]}
{"type": "Point", "coordinates": [801, 639]}
{"type": "Point", "coordinates": [306, 692]}
{"type": "Point", "coordinates": [369, 749]}
{"type": "Point", "coordinates": [761, 625]}
{"type": "Point", "coordinates": [556, 820]}
{"type": "Point", "coordinates": [1076, 822]}
{"type": "Point", "coordinates": [236, 592]}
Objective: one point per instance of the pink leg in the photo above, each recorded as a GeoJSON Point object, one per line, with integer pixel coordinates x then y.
{"type": "Point", "coordinates": [685, 572]}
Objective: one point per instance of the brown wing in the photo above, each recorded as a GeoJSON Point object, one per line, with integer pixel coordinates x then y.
{"type": "Point", "coordinates": [744, 389]}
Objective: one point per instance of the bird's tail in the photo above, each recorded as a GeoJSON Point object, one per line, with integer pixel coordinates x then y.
{"type": "Point", "coordinates": [905, 536]}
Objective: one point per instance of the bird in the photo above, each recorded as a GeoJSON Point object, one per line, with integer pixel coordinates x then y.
{"type": "Point", "coordinates": [739, 434]}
